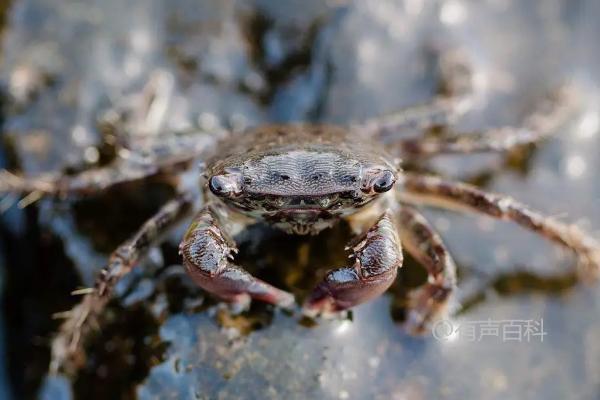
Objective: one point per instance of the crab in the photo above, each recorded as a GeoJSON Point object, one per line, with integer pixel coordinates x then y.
{"type": "Point", "coordinates": [303, 179]}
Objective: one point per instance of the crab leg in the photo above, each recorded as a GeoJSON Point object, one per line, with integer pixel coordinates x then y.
{"type": "Point", "coordinates": [422, 189]}
{"type": "Point", "coordinates": [456, 89]}
{"type": "Point", "coordinates": [85, 183]}
{"type": "Point", "coordinates": [422, 241]}
{"type": "Point", "coordinates": [81, 319]}
{"type": "Point", "coordinates": [155, 157]}
{"type": "Point", "coordinates": [376, 257]}
{"type": "Point", "coordinates": [440, 112]}
{"type": "Point", "coordinates": [546, 119]}
{"type": "Point", "coordinates": [207, 251]}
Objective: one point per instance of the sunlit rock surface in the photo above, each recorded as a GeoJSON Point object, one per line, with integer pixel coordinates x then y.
{"type": "Point", "coordinates": [182, 66]}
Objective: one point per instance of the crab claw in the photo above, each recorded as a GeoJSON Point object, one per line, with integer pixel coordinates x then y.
{"type": "Point", "coordinates": [377, 255]}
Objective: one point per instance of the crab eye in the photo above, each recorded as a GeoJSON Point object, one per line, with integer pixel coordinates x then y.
{"type": "Point", "coordinates": [377, 180]}
{"type": "Point", "coordinates": [384, 182]}
{"type": "Point", "coordinates": [224, 185]}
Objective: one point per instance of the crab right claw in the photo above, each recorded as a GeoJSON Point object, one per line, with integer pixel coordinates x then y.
{"type": "Point", "coordinates": [207, 252]}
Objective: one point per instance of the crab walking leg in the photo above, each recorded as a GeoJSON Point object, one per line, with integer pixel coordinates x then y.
{"type": "Point", "coordinates": [376, 257]}
{"type": "Point", "coordinates": [86, 182]}
{"type": "Point", "coordinates": [455, 99]}
{"type": "Point", "coordinates": [421, 240]}
{"type": "Point", "coordinates": [547, 118]}
{"type": "Point", "coordinates": [169, 155]}
{"type": "Point", "coordinates": [82, 318]}
{"type": "Point", "coordinates": [208, 251]}
{"type": "Point", "coordinates": [440, 112]}
{"type": "Point", "coordinates": [435, 191]}
{"type": "Point", "coordinates": [493, 140]}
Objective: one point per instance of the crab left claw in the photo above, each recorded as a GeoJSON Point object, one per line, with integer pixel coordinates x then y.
{"type": "Point", "coordinates": [377, 255]}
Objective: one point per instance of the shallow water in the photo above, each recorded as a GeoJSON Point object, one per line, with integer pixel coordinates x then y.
{"type": "Point", "coordinates": [221, 65]}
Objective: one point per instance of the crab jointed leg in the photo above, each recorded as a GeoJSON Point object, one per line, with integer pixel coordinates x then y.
{"type": "Point", "coordinates": [546, 119]}
{"type": "Point", "coordinates": [82, 318]}
{"type": "Point", "coordinates": [208, 250]}
{"type": "Point", "coordinates": [168, 156]}
{"type": "Point", "coordinates": [421, 240]}
{"type": "Point", "coordinates": [86, 182]}
{"type": "Point", "coordinates": [376, 257]}
{"type": "Point", "coordinates": [456, 84]}
{"type": "Point", "coordinates": [435, 191]}
{"type": "Point", "coordinates": [440, 112]}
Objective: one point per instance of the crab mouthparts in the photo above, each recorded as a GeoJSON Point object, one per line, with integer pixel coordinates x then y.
{"type": "Point", "coordinates": [301, 204]}
{"type": "Point", "coordinates": [307, 203]}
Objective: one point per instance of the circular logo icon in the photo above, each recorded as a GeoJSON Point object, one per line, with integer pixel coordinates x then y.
{"type": "Point", "coordinates": [442, 330]}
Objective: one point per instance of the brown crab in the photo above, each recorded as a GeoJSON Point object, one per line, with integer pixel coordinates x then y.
{"type": "Point", "coordinates": [305, 178]}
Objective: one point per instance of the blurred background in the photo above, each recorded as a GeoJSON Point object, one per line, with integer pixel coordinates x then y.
{"type": "Point", "coordinates": [159, 67]}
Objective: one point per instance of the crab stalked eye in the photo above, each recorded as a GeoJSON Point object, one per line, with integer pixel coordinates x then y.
{"type": "Point", "coordinates": [225, 185]}
{"type": "Point", "coordinates": [384, 181]}
{"type": "Point", "coordinates": [377, 180]}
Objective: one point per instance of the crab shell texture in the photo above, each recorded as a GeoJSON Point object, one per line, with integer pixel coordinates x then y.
{"type": "Point", "coordinates": [300, 178]}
